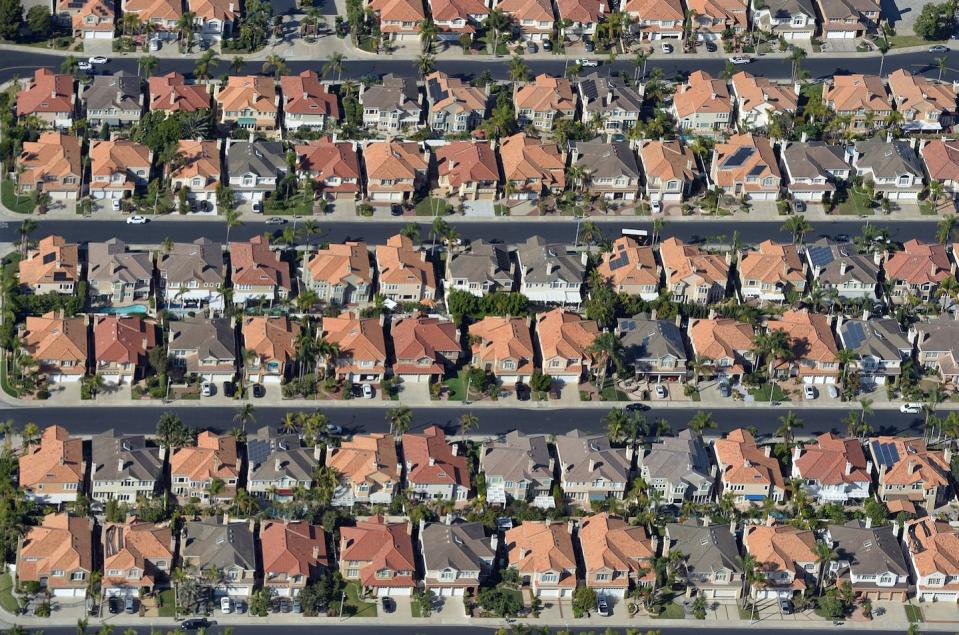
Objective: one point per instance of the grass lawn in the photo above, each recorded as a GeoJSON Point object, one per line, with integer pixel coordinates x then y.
{"type": "Point", "coordinates": [456, 386]}
{"type": "Point", "coordinates": [167, 603]}
{"type": "Point", "coordinates": [610, 392]}
{"type": "Point", "coordinates": [362, 607]}
{"type": "Point", "coordinates": [9, 196]}
{"type": "Point", "coordinates": [744, 614]}
{"type": "Point", "coordinates": [430, 206]}
{"type": "Point", "coordinates": [672, 611]}
{"type": "Point", "coordinates": [812, 92]}
{"type": "Point", "coordinates": [900, 41]}
{"type": "Point", "coordinates": [762, 393]}
{"type": "Point", "coordinates": [295, 206]}
{"type": "Point", "coordinates": [913, 613]}
{"type": "Point", "coordinates": [7, 601]}
{"type": "Point", "coordinates": [4, 381]}
{"type": "Point", "coordinates": [856, 204]}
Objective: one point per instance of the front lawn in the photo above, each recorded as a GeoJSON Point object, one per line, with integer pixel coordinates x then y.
{"type": "Point", "coordinates": [430, 206]}
{"type": "Point", "coordinates": [456, 387]}
{"type": "Point", "coordinates": [902, 41]}
{"type": "Point", "coordinates": [7, 601]}
{"type": "Point", "coordinates": [8, 194]}
{"type": "Point", "coordinates": [761, 394]}
{"type": "Point", "coordinates": [356, 606]}
{"type": "Point", "coordinates": [914, 614]}
{"type": "Point", "coordinates": [857, 203]}
{"type": "Point", "coordinates": [167, 606]}
{"type": "Point", "coordinates": [671, 611]}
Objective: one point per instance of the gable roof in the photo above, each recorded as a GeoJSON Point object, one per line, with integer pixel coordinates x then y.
{"type": "Point", "coordinates": [292, 547]}
{"type": "Point", "coordinates": [255, 264]}
{"type": "Point", "coordinates": [540, 546]}
{"type": "Point", "coordinates": [460, 546]}
{"type": "Point", "coordinates": [214, 456]}
{"type": "Point", "coordinates": [61, 542]}
{"type": "Point", "coordinates": [120, 90]}
{"type": "Point", "coordinates": [583, 457]}
{"type": "Point", "coordinates": [305, 94]}
{"type": "Point", "coordinates": [150, 10]}
{"type": "Point", "coordinates": [502, 338]}
{"type": "Point", "coordinates": [117, 457]}
{"type": "Point", "coordinates": [56, 458]}
{"type": "Point", "coordinates": [581, 11]}
{"type": "Point", "coordinates": [171, 92]}
{"type": "Point", "coordinates": [53, 261]}
{"type": "Point", "coordinates": [211, 339]}
{"type": "Point", "coordinates": [773, 263]}
{"type": "Point", "coordinates": [915, 92]}
{"type": "Point", "coordinates": [366, 458]}
{"type": "Point", "coordinates": [832, 461]}
{"type": "Point", "coordinates": [918, 263]}
{"type": "Point", "coordinates": [340, 263]}
{"type": "Point", "coordinates": [419, 337]}
{"type": "Point", "coordinates": [545, 93]}
{"type": "Point", "coordinates": [57, 338]}
{"type": "Point", "coordinates": [686, 263]}
{"type": "Point", "coordinates": [272, 338]}
{"type": "Point", "coordinates": [399, 263]}
{"type": "Point", "coordinates": [358, 338]}
{"type": "Point", "coordinates": [609, 543]}
{"type": "Point", "coordinates": [907, 461]}
{"type": "Point", "coordinates": [123, 339]}
{"type": "Point", "coordinates": [382, 544]}
{"type": "Point", "coordinates": [705, 549]}
{"type": "Point", "coordinates": [223, 10]}
{"type": "Point", "coordinates": [467, 162]}
{"type": "Point", "coordinates": [430, 460]}
{"type": "Point", "coordinates": [742, 461]}
{"type": "Point", "coordinates": [869, 550]}
{"type": "Point", "coordinates": [48, 92]}
{"type": "Point", "coordinates": [526, 158]}
{"type": "Point", "coordinates": [201, 260]}
{"type": "Point", "coordinates": [110, 261]}
{"type": "Point", "coordinates": [536, 10]}
{"type": "Point", "coordinates": [702, 94]}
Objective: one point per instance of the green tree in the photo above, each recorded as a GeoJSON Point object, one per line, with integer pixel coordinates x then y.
{"type": "Point", "coordinates": [11, 15]}
{"type": "Point", "coordinates": [400, 420]}
{"type": "Point", "coordinates": [468, 423]}
{"type": "Point", "coordinates": [584, 601]}
{"type": "Point", "coordinates": [701, 421]}
{"type": "Point", "coordinates": [172, 433]}
{"type": "Point", "coordinates": [39, 21]}
{"type": "Point", "coordinates": [935, 21]}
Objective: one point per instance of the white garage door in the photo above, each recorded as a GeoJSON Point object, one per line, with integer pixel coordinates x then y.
{"type": "Point", "coordinates": [98, 35]}
{"type": "Point", "coordinates": [398, 591]}
{"type": "Point", "coordinates": [725, 594]}
{"type": "Point", "coordinates": [549, 593]}
{"type": "Point", "coordinates": [69, 593]}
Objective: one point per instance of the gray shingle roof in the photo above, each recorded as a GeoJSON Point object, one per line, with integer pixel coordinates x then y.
{"type": "Point", "coordinates": [644, 338]}
{"type": "Point", "coordinates": [882, 338]}
{"type": "Point", "coordinates": [578, 451]}
{"type": "Point", "coordinates": [201, 260]}
{"type": "Point", "coordinates": [682, 459]}
{"type": "Point", "coordinates": [208, 544]}
{"type": "Point", "coordinates": [545, 263]}
{"type": "Point", "coordinates": [869, 551]}
{"type": "Point", "coordinates": [837, 263]}
{"type": "Point", "coordinates": [888, 160]}
{"type": "Point", "coordinates": [212, 339]}
{"type": "Point", "coordinates": [460, 546]}
{"type": "Point", "coordinates": [262, 158]}
{"type": "Point", "coordinates": [483, 262]}
{"type": "Point", "coordinates": [110, 262]}
{"type": "Point", "coordinates": [394, 93]}
{"type": "Point", "coordinates": [814, 159]}
{"type": "Point", "coordinates": [604, 94]}
{"type": "Point", "coordinates": [140, 463]}
{"type": "Point", "coordinates": [607, 160]}
{"type": "Point", "coordinates": [518, 457]}
{"type": "Point", "coordinates": [939, 335]}
{"type": "Point", "coordinates": [707, 549]}
{"type": "Point", "coordinates": [120, 91]}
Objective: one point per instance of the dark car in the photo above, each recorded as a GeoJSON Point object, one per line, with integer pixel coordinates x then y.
{"type": "Point", "coordinates": [636, 407]}
{"type": "Point", "coordinates": [786, 606]}
{"type": "Point", "coordinates": [800, 206]}
{"type": "Point", "coordinates": [258, 391]}
{"type": "Point", "coordinates": [196, 623]}
{"type": "Point", "coordinates": [724, 390]}
{"type": "Point", "coordinates": [115, 605]}
{"type": "Point", "coordinates": [531, 47]}
{"type": "Point", "coordinates": [547, 45]}
{"type": "Point", "coordinates": [711, 48]}
{"type": "Point", "coordinates": [285, 606]}
{"type": "Point", "coordinates": [842, 238]}
{"type": "Point", "coordinates": [389, 605]}
{"type": "Point", "coordinates": [523, 392]}
{"type": "Point", "coordinates": [589, 46]}
{"type": "Point", "coordinates": [229, 388]}
{"type": "Point", "coordinates": [130, 604]}
{"type": "Point", "coordinates": [396, 209]}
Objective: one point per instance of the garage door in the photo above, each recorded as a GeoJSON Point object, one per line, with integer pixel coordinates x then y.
{"type": "Point", "coordinates": [549, 593]}
{"type": "Point", "coordinates": [725, 594]}
{"type": "Point", "coordinates": [98, 35]}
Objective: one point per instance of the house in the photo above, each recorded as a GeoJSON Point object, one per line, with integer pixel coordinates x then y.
{"type": "Point", "coordinates": [454, 106]}
{"type": "Point", "coordinates": [747, 472]}
{"type": "Point", "coordinates": [457, 557]}
{"type": "Point", "coordinates": [192, 275]}
{"type": "Point", "coordinates": [340, 273]}
{"type": "Point", "coordinates": [480, 269]}
{"type": "Point", "coordinates": [52, 164]}
{"type": "Point", "coordinates": [113, 100]}
{"type": "Point", "coordinates": [425, 348]}
{"type": "Point", "coordinates": [533, 17]}
{"type": "Point", "coordinates": [834, 470]}
{"type": "Point", "coordinates": [405, 275]}
{"type": "Point", "coordinates": [121, 347]}
{"type": "Point", "coordinates": [307, 102]}
{"type": "Point", "coordinates": [204, 347]}
{"type": "Point", "coordinates": [653, 348]}
{"type": "Point", "coordinates": [815, 356]}
{"type": "Point", "coordinates": [64, 12]}
{"type": "Point", "coordinates": [517, 466]}
{"type": "Point", "coordinates": [214, 19]}
{"type": "Point", "coordinates": [610, 169]}
{"type": "Point", "coordinates": [710, 564]}
{"type": "Point", "coordinates": [691, 275]}
{"type": "Point", "coordinates": [870, 559]}
{"type": "Point", "coordinates": [273, 342]}
{"type": "Point", "coordinates": [379, 553]}
{"type": "Point", "coordinates": [51, 470]}
{"type": "Point", "coordinates": [124, 468]}
{"type": "Point", "coordinates": [255, 168]}
{"type": "Point", "coordinates": [936, 348]}
{"type": "Point", "coordinates": [543, 101]}
{"type": "Point", "coordinates": [503, 346]}
{"type": "Point", "coordinates": [58, 555]}
{"type": "Point", "coordinates": [565, 341]}
{"type": "Point", "coordinates": [395, 170]}
{"type": "Point", "coordinates": [724, 347]}
{"type": "Point", "coordinates": [392, 105]}
{"type": "Point", "coordinates": [117, 277]}
{"type": "Point", "coordinates": [279, 466]}
{"type": "Point", "coordinates": [50, 98]}
{"type": "Point", "coordinates": [580, 17]}
{"type": "Point", "coordinates": [467, 170]}
{"type": "Point", "coordinates": [400, 20]}
{"type": "Point", "coordinates": [788, 19]}
{"type": "Point", "coordinates": [542, 553]}
{"type": "Point", "coordinates": [137, 556]}
{"type": "Point", "coordinates": [656, 19]}
{"type": "Point", "coordinates": [616, 556]}
{"type": "Point", "coordinates": [862, 98]}
{"type": "Point", "coordinates": [164, 15]}
{"type": "Point", "coordinates": [670, 170]}
{"type": "Point", "coordinates": [249, 102]}
{"type": "Point", "coordinates": [839, 266]}
{"type": "Point", "coordinates": [590, 469]}
{"type": "Point", "coordinates": [746, 166]}
{"type": "Point", "coordinates": [712, 18]}
{"type": "Point", "coordinates": [95, 20]}
{"type": "Point", "coordinates": [293, 553]}
{"type": "Point", "coordinates": [770, 272]}
{"type": "Point", "coordinates": [362, 347]}
{"type": "Point", "coordinates": [909, 471]}
{"type": "Point", "coordinates": [631, 268]}
{"type": "Point", "coordinates": [916, 271]}
{"type": "Point", "coordinates": [334, 167]}
{"type": "Point", "coordinates": [434, 468]}
{"type": "Point", "coordinates": [170, 93]}
{"type": "Point", "coordinates": [369, 470]}
{"type": "Point", "coordinates": [611, 100]}
{"type": "Point", "coordinates": [758, 99]}
{"type": "Point", "coordinates": [550, 274]}
{"type": "Point", "coordinates": [879, 346]}
{"type": "Point", "coordinates": [531, 168]}
{"type": "Point", "coordinates": [58, 344]}
{"type": "Point", "coordinates": [848, 19]}
{"type": "Point", "coordinates": [257, 273]}
{"type": "Point", "coordinates": [199, 171]}
{"type": "Point", "coordinates": [925, 105]}
{"type": "Point", "coordinates": [813, 169]}
{"type": "Point", "coordinates": [193, 470]}
{"type": "Point", "coordinates": [893, 167]}
{"type": "Point", "coordinates": [53, 267]}
{"type": "Point", "coordinates": [456, 18]}
{"type": "Point", "coordinates": [678, 468]}
{"type": "Point", "coordinates": [932, 545]}
{"type": "Point", "coordinates": [228, 547]}
{"type": "Point", "coordinates": [118, 168]}
{"type": "Point", "coordinates": [941, 158]}
{"type": "Point", "coordinates": [786, 559]}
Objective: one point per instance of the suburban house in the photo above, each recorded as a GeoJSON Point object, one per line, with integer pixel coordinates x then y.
{"type": "Point", "coordinates": [255, 168]}
{"type": "Point", "coordinates": [52, 469]}
{"type": "Point", "coordinates": [712, 18]}
{"type": "Point", "coordinates": [368, 467]}
{"type": "Point", "coordinates": [543, 101]}
{"type": "Point", "coordinates": [228, 547]}
{"type": "Point", "coordinates": [746, 166]}
{"type": "Point", "coordinates": [503, 346]}
{"type": "Point", "coordinates": [334, 167]}
{"type": "Point", "coordinates": [610, 169]}
{"type": "Point", "coordinates": [937, 347]}
{"type": "Point", "coordinates": [678, 468]}
{"type": "Point", "coordinates": [257, 273]}
{"type": "Point", "coordinates": [611, 100]}
{"type": "Point", "coordinates": [758, 99]}
{"type": "Point", "coordinates": [916, 271]}
{"type": "Point", "coordinates": [910, 473]}
{"type": "Point", "coordinates": [616, 556]}
{"type": "Point", "coordinates": [841, 267]}
{"type": "Point", "coordinates": [278, 466]}
{"type": "Point", "coordinates": [467, 170]}
{"type": "Point", "coordinates": [862, 98]}
{"type": "Point", "coordinates": [204, 347]}
{"type": "Point", "coordinates": [517, 466]}
{"type": "Point", "coordinates": [533, 17]}
{"type": "Point", "coordinates": [480, 269]}
{"type": "Point", "coordinates": [118, 168]}
{"type": "Point", "coordinates": [880, 346]}
{"type": "Point", "coordinates": [456, 18]}
{"type": "Point", "coordinates": [724, 346]}
{"type": "Point", "coordinates": [214, 19]}
{"type": "Point", "coordinates": [788, 19]}
{"type": "Point", "coordinates": [870, 559]}
{"type": "Point", "coordinates": [271, 342]}
{"type": "Point", "coordinates": [53, 267]}
{"type": "Point", "coordinates": [578, 18]}
{"type": "Point", "coordinates": [941, 158]}
{"type": "Point", "coordinates": [362, 347]}
{"type": "Point", "coordinates": [392, 105]}
{"type": "Point", "coordinates": [400, 20]}
{"type": "Point", "coordinates": [113, 100]}
{"type": "Point", "coordinates": [550, 274]}
{"type": "Point", "coordinates": [249, 102]}
{"type": "Point", "coordinates": [542, 553]}
{"type": "Point", "coordinates": [703, 105]}
{"type": "Point", "coordinates": [590, 469]}
{"type": "Point", "coordinates": [531, 168]}
{"type": "Point", "coordinates": [57, 554]}
{"type": "Point", "coordinates": [121, 347]}
{"type": "Point", "coordinates": [453, 106]}
{"type": "Point", "coordinates": [137, 556]}
{"type": "Point", "coordinates": [746, 471]}
{"type": "Point", "coordinates": [656, 19]}
{"type": "Point", "coordinates": [52, 164]}
{"type": "Point", "coordinates": [631, 268]}
{"type": "Point", "coordinates": [457, 556]}
{"type": "Point", "coordinates": [124, 468]}
{"type": "Point", "coordinates": [294, 555]}
{"type": "Point", "coordinates": [670, 170]}
{"type": "Point", "coordinates": [170, 93]}
{"type": "Point", "coordinates": [395, 170]}
{"type": "Point", "coordinates": [848, 19]}
{"type": "Point", "coordinates": [833, 470]}
{"type": "Point", "coordinates": [435, 469]}
{"type": "Point", "coordinates": [424, 348]}
{"type": "Point", "coordinates": [199, 171]}
{"type": "Point", "coordinates": [932, 545]}
{"type": "Point", "coordinates": [193, 469]}
{"type": "Point", "coordinates": [654, 349]}
{"type": "Point", "coordinates": [163, 15]}
{"type": "Point", "coordinates": [565, 339]}
{"type": "Point", "coordinates": [786, 557]}
{"type": "Point", "coordinates": [191, 275]}
{"type": "Point", "coordinates": [50, 98]}
{"type": "Point", "coordinates": [405, 275]}
{"type": "Point", "coordinates": [379, 553]}
{"type": "Point", "coordinates": [59, 345]}
{"type": "Point", "coordinates": [307, 102]}
{"type": "Point", "coordinates": [815, 356]}
{"type": "Point", "coordinates": [340, 273]}
{"type": "Point", "coordinates": [771, 271]}
{"type": "Point", "coordinates": [892, 166]}
{"type": "Point", "coordinates": [710, 564]}
{"type": "Point", "coordinates": [925, 105]}
{"type": "Point", "coordinates": [691, 275]}
{"type": "Point", "coordinates": [813, 169]}
{"type": "Point", "coordinates": [95, 20]}
{"type": "Point", "coordinates": [118, 277]}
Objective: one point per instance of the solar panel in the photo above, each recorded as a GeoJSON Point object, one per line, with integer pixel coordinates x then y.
{"type": "Point", "coordinates": [738, 157]}
{"type": "Point", "coordinates": [885, 453]}
{"type": "Point", "coordinates": [618, 262]}
{"type": "Point", "coordinates": [589, 89]}
{"type": "Point", "coordinates": [820, 256]}
{"type": "Point", "coordinates": [757, 170]}
{"type": "Point", "coordinates": [854, 335]}
{"type": "Point", "coordinates": [257, 451]}
{"type": "Point", "coordinates": [627, 325]}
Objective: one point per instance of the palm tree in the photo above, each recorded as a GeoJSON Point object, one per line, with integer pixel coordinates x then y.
{"type": "Point", "coordinates": [232, 217]}
{"type": "Point", "coordinates": [290, 423]}
{"type": "Point", "coordinates": [411, 231]}
{"type": "Point", "coordinates": [245, 415]}
{"type": "Point", "coordinates": [948, 288]}
{"type": "Point", "coordinates": [497, 22]}
{"type": "Point", "coordinates": [148, 64]}
{"type": "Point", "coordinates": [334, 64]}
{"type": "Point", "coordinates": [617, 424]}
{"type": "Point", "coordinates": [788, 423]}
{"type": "Point", "coordinates": [518, 70]}
{"type": "Point", "coordinates": [640, 62]}
{"type": "Point", "coordinates": [825, 554]}
{"type": "Point", "coordinates": [30, 434]}
{"type": "Point", "coordinates": [702, 420]}
{"type": "Point", "coordinates": [607, 349]}
{"type": "Point", "coordinates": [237, 64]}
{"type": "Point", "coordinates": [468, 423]}
{"type": "Point", "coordinates": [275, 64]}
{"type": "Point", "coordinates": [797, 225]}
{"type": "Point", "coordinates": [185, 25]}
{"type": "Point", "coordinates": [201, 69]}
{"type": "Point", "coordinates": [400, 420]}
{"type": "Point", "coordinates": [26, 227]}
{"type": "Point", "coordinates": [941, 65]}
{"type": "Point", "coordinates": [428, 32]}
{"type": "Point", "coordinates": [946, 228]}
{"type": "Point", "coordinates": [798, 55]}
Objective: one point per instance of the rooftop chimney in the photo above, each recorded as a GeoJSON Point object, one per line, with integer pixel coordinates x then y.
{"type": "Point", "coordinates": [843, 267]}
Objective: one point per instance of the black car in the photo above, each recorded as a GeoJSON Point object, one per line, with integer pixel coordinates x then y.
{"type": "Point", "coordinates": [258, 391]}
{"type": "Point", "coordinates": [115, 605]}
{"type": "Point", "coordinates": [229, 388]}
{"type": "Point", "coordinates": [389, 605]}
{"type": "Point", "coordinates": [547, 45]}
{"type": "Point", "coordinates": [396, 209]}
{"type": "Point", "coordinates": [724, 390]}
{"type": "Point", "coordinates": [842, 238]}
{"type": "Point", "coordinates": [531, 47]}
{"type": "Point", "coordinates": [285, 606]}
{"type": "Point", "coordinates": [636, 407]}
{"type": "Point", "coordinates": [589, 46]}
{"type": "Point", "coordinates": [710, 47]}
{"type": "Point", "coordinates": [196, 623]}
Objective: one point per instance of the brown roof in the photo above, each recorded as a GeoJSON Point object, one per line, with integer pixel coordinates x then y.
{"type": "Point", "coordinates": [635, 264]}
{"type": "Point", "coordinates": [751, 171]}
{"type": "Point", "coordinates": [430, 460]}
{"type": "Point", "coordinates": [53, 261]}
{"type": "Point", "coordinates": [47, 93]}
{"type": "Point", "coordinates": [255, 264]}
{"type": "Point", "coordinates": [326, 159]}
{"type": "Point", "coordinates": [832, 461]}
{"type": "Point", "coordinates": [667, 160]}
{"type": "Point", "coordinates": [702, 94]}
{"type": "Point", "coordinates": [684, 262]}
{"type": "Point", "coordinates": [199, 159]}
{"type": "Point", "coordinates": [942, 159]}
{"type": "Point", "coordinates": [536, 10]}
{"type": "Point", "coordinates": [54, 155]}
{"type": "Point", "coordinates": [213, 457]}
{"type": "Point", "coordinates": [359, 339]}
{"type": "Point", "coordinates": [467, 162]}
{"type": "Point", "coordinates": [915, 92]}
{"type": "Point", "coordinates": [753, 91]}
{"type": "Point", "coordinates": [856, 92]}
{"type": "Point", "coordinates": [400, 11]}
{"type": "Point", "coordinates": [934, 546]}
{"type": "Point", "coordinates": [742, 461]}
{"type": "Point", "coordinates": [337, 262]}
{"type": "Point", "coordinates": [123, 339]}
{"type": "Point", "coordinates": [545, 93]}
{"type": "Point", "coordinates": [171, 92]}
{"type": "Point", "coordinates": [502, 338]}
{"type": "Point", "coordinates": [720, 338]}
{"type": "Point", "coordinates": [566, 335]}
{"type": "Point", "coordinates": [582, 11]}
{"type": "Point", "coordinates": [453, 92]}
{"type": "Point", "coordinates": [255, 92]}
{"type": "Point", "coordinates": [61, 542]}
{"type": "Point", "coordinates": [393, 160]}
{"type": "Point", "coordinates": [57, 458]}
{"type": "Point", "coordinates": [539, 546]}
{"type": "Point", "coordinates": [918, 263]}
{"type": "Point", "coordinates": [384, 546]}
{"type": "Point", "coordinates": [780, 548]}
{"type": "Point", "coordinates": [449, 10]}
{"type": "Point", "coordinates": [732, 11]}
{"type": "Point", "coordinates": [305, 94]}
{"type": "Point", "coordinates": [135, 545]}
{"type": "Point", "coordinates": [915, 463]}
{"type": "Point", "coordinates": [224, 10]}
{"type": "Point", "coordinates": [117, 156]}
{"type": "Point", "coordinates": [366, 458]}
{"type": "Point", "coordinates": [57, 339]}
{"type": "Point", "coordinates": [609, 543]}
{"type": "Point", "coordinates": [529, 158]}
{"type": "Point", "coordinates": [399, 263]}
{"type": "Point", "coordinates": [292, 548]}
{"type": "Point", "coordinates": [772, 263]}
{"type": "Point", "coordinates": [149, 10]}
{"type": "Point", "coordinates": [423, 338]}
{"type": "Point", "coordinates": [810, 336]}
{"type": "Point", "coordinates": [272, 338]}
{"type": "Point", "coordinates": [656, 11]}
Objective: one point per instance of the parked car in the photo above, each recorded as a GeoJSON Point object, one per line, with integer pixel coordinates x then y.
{"type": "Point", "coordinates": [136, 219]}
{"type": "Point", "coordinates": [367, 391]}
{"type": "Point", "coordinates": [130, 604]}
{"type": "Point", "coordinates": [602, 606]}
{"type": "Point", "coordinates": [786, 606]}
{"type": "Point", "coordinates": [275, 220]}
{"type": "Point", "coordinates": [711, 48]}
{"type": "Point", "coordinates": [258, 391]}
{"type": "Point", "coordinates": [655, 206]}
{"type": "Point", "coordinates": [531, 47]}
{"type": "Point", "coordinates": [808, 393]}
{"type": "Point", "coordinates": [938, 48]}
{"type": "Point", "coordinates": [547, 45]}
{"type": "Point", "coordinates": [229, 389]}
{"type": "Point", "coordinates": [666, 47]}
{"type": "Point", "coordinates": [588, 45]}
{"type": "Point", "coordinates": [115, 204]}
{"type": "Point", "coordinates": [911, 408]}
{"type": "Point", "coordinates": [636, 407]}
{"type": "Point", "coordinates": [285, 605]}
{"type": "Point", "coordinates": [740, 59]}
{"type": "Point", "coordinates": [257, 207]}
{"type": "Point", "coordinates": [661, 391]}
{"type": "Point", "coordinates": [98, 59]}
{"type": "Point", "coordinates": [239, 607]}
{"type": "Point", "coordinates": [585, 62]}
{"type": "Point", "coordinates": [207, 389]}
{"type": "Point", "coordinates": [724, 390]}
{"type": "Point", "coordinates": [297, 607]}
{"type": "Point", "coordinates": [226, 605]}
{"type": "Point", "coordinates": [388, 604]}
{"type": "Point", "coordinates": [84, 66]}
{"type": "Point", "coordinates": [832, 391]}
{"type": "Point", "coordinates": [333, 429]}
{"type": "Point", "coordinates": [115, 605]}
{"type": "Point", "coordinates": [196, 623]}
{"type": "Point", "coordinates": [396, 209]}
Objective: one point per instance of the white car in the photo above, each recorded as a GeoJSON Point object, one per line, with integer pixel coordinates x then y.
{"type": "Point", "coordinates": [333, 429]}
{"type": "Point", "coordinates": [98, 59]}
{"type": "Point", "coordinates": [136, 219]}
{"type": "Point", "coordinates": [808, 392]}
{"type": "Point", "coordinates": [207, 389]}
{"type": "Point", "coordinates": [911, 408]}
{"type": "Point", "coordinates": [226, 605]}
{"type": "Point", "coordinates": [115, 204]}
{"type": "Point", "coordinates": [84, 66]}
{"type": "Point", "coordinates": [667, 47]}
{"type": "Point", "coordinates": [367, 391]}
{"type": "Point", "coordinates": [661, 391]}
{"type": "Point", "coordinates": [655, 206]}
{"type": "Point", "coordinates": [740, 59]}
{"type": "Point", "coordinates": [587, 63]}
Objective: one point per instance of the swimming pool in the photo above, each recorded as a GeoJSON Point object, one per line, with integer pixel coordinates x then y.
{"type": "Point", "coordinates": [124, 310]}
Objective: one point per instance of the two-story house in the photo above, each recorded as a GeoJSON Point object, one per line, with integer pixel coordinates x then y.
{"type": "Point", "coordinates": [814, 356]}
{"type": "Point", "coordinates": [916, 271]}
{"type": "Point", "coordinates": [941, 158]}
{"type": "Point", "coordinates": [479, 269]}
{"type": "Point", "coordinates": [770, 272]}
{"type": "Point", "coordinates": [121, 347]}
{"type": "Point", "coordinates": [455, 18]}
{"type": "Point", "coordinates": [457, 556]}
{"type": "Point", "coordinates": [813, 169]}
{"type": "Point", "coordinates": [170, 93]}
{"type": "Point", "coordinates": [724, 347]}
{"type": "Point", "coordinates": [208, 471]}
{"type": "Point", "coordinates": [610, 169]}
{"type": "Point", "coordinates": [117, 277]}
{"type": "Point", "coordinates": [379, 554]}
{"type": "Point", "coordinates": [453, 106]}
{"type": "Point", "coordinates": [746, 166]}
{"type": "Point", "coordinates": [670, 170]}
{"type": "Point", "coordinates": [862, 98]}
{"type": "Point", "coordinates": [503, 346]}
{"type": "Point", "coordinates": [910, 472]}
{"type": "Point", "coordinates": [435, 469]}
{"type": "Point", "coordinates": [531, 168]}
{"type": "Point", "coordinates": [467, 170]}
{"type": "Point", "coordinates": [257, 273]}
{"type": "Point", "coordinates": [53, 267]}
{"type": "Point", "coordinates": [395, 170]}
{"type": "Point", "coordinates": [565, 341]}
{"type": "Point", "coordinates": [424, 348]}
{"type": "Point", "coordinates": [748, 473]}
{"type": "Point", "coordinates": [631, 268]}
{"type": "Point", "coordinates": [932, 545]}
{"type": "Point", "coordinates": [405, 275]}
{"type": "Point", "coordinates": [848, 19]}
{"type": "Point", "coordinates": [710, 564]}
{"type": "Point", "coordinates": [58, 555]}
{"type": "Point", "coordinates": [113, 100]}
{"type": "Point", "coordinates": [249, 102]}
{"type": "Point", "coordinates": [691, 274]}
{"type": "Point", "coordinates": [786, 560]}
{"type": "Point", "coordinates": [340, 273]}
{"type": "Point", "coordinates": [893, 167]}
{"type": "Point", "coordinates": [392, 105]}
{"type": "Point", "coordinates": [227, 548]}
{"type": "Point", "coordinates": [52, 470]}
{"type": "Point", "coordinates": [118, 168]}
{"type": "Point", "coordinates": [870, 559]}
{"type": "Point", "coordinates": [590, 469]}
{"type": "Point", "coordinates": [550, 273]}
{"type": "Point", "coordinates": [399, 20]}
{"type": "Point", "coordinates": [198, 169]}
{"type": "Point", "coordinates": [369, 470]}
{"type": "Point", "coordinates": [294, 555]}
{"type": "Point", "coordinates": [758, 100]}
{"type": "Point", "coordinates": [137, 556]}
{"type": "Point", "coordinates": [362, 354]}
{"type": "Point", "coordinates": [653, 349]}
{"type": "Point", "coordinates": [617, 556]}
{"type": "Point", "coordinates": [713, 18]}
{"type": "Point", "coordinates": [255, 168]}
{"type": "Point", "coordinates": [879, 348]}
{"type": "Point", "coordinates": [678, 468]}
{"type": "Point", "coordinates": [542, 554]}
{"type": "Point", "coordinates": [789, 19]}
{"type": "Point", "coordinates": [925, 105]}
{"type": "Point", "coordinates": [702, 105]}
{"type": "Point", "coordinates": [163, 15]}
{"type": "Point", "coordinates": [192, 275]}
{"type": "Point", "coordinates": [533, 19]}
{"type": "Point", "coordinates": [278, 465]}
{"type": "Point", "coordinates": [841, 267]}
{"type": "Point", "coordinates": [52, 164]}
{"type": "Point", "coordinates": [610, 100]}
{"type": "Point", "coordinates": [937, 347]}
{"type": "Point", "coordinates": [656, 19]}
{"type": "Point", "coordinates": [517, 466]}
{"type": "Point", "coordinates": [307, 102]}
{"type": "Point", "coordinates": [214, 19]}
{"type": "Point", "coordinates": [833, 470]}
{"type": "Point", "coordinates": [50, 98]}
{"type": "Point", "coordinates": [271, 344]}
{"type": "Point", "coordinates": [58, 344]}
{"type": "Point", "coordinates": [334, 167]}
{"type": "Point", "coordinates": [206, 348]}
{"type": "Point", "coordinates": [124, 468]}
{"type": "Point", "coordinates": [543, 101]}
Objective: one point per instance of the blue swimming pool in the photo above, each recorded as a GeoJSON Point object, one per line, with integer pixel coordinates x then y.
{"type": "Point", "coordinates": [124, 310]}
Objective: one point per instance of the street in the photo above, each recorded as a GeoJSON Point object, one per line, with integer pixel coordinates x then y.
{"type": "Point", "coordinates": [443, 630]}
